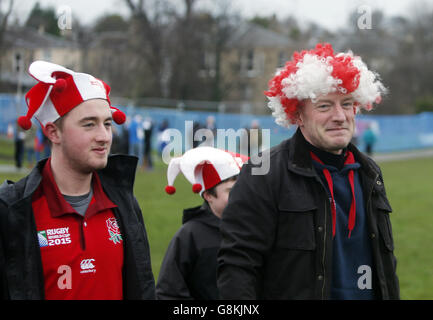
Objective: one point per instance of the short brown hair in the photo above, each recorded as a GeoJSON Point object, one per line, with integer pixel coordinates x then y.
{"type": "Point", "coordinates": [212, 191]}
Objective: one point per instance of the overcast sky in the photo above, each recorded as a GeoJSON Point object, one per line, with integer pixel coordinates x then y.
{"type": "Point", "coordinates": [331, 14]}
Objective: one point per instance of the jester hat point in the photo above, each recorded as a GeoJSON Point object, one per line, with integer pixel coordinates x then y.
{"type": "Point", "coordinates": [204, 168]}
{"type": "Point", "coordinates": [59, 90]}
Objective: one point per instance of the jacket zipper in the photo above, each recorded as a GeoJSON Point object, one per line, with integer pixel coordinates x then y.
{"type": "Point", "coordinates": [369, 211]}
{"type": "Point", "coordinates": [324, 251]}
{"type": "Point", "coordinates": [324, 239]}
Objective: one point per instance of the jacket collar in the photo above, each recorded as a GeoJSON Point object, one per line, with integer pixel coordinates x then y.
{"type": "Point", "coordinates": [120, 171]}
{"type": "Point", "coordinates": [300, 161]}
{"type": "Point", "coordinates": [299, 156]}
{"type": "Point", "coordinates": [59, 206]}
{"type": "Point", "coordinates": [201, 213]}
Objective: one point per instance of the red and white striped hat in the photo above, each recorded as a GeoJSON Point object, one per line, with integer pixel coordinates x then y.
{"type": "Point", "coordinates": [204, 168]}
{"type": "Point", "coordinates": [59, 90]}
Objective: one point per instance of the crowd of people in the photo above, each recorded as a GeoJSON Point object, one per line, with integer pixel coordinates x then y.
{"type": "Point", "coordinates": [136, 137]}
{"type": "Point", "coordinates": [29, 146]}
{"type": "Point", "coordinates": [316, 225]}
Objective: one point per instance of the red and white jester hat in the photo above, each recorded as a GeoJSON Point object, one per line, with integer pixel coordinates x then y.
{"type": "Point", "coordinates": [59, 90]}
{"type": "Point", "coordinates": [204, 168]}
{"type": "Point", "coordinates": [317, 72]}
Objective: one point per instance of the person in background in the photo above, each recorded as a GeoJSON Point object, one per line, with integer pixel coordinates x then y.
{"type": "Point", "coordinates": [369, 138]}
{"type": "Point", "coordinates": [20, 136]}
{"type": "Point", "coordinates": [116, 145]}
{"type": "Point", "coordinates": [196, 126]}
{"type": "Point", "coordinates": [29, 146]}
{"type": "Point", "coordinates": [39, 143]}
{"type": "Point", "coordinates": [317, 224]}
{"type": "Point", "coordinates": [254, 136]}
{"type": "Point", "coordinates": [163, 137]}
{"type": "Point", "coordinates": [148, 130]}
{"type": "Point", "coordinates": [72, 229]}
{"type": "Point", "coordinates": [188, 270]}
{"type": "Point", "coordinates": [136, 137]}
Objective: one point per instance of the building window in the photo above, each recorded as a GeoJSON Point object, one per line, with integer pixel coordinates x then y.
{"type": "Point", "coordinates": [282, 58]}
{"type": "Point", "coordinates": [47, 55]}
{"type": "Point", "coordinates": [250, 60]}
{"type": "Point", "coordinates": [207, 64]}
{"type": "Point", "coordinates": [247, 63]}
{"type": "Point", "coordinates": [252, 63]}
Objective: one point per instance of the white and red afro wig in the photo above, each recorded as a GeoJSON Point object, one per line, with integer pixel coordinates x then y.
{"type": "Point", "coordinates": [59, 90]}
{"type": "Point", "coordinates": [318, 72]}
{"type": "Point", "coordinates": [204, 168]}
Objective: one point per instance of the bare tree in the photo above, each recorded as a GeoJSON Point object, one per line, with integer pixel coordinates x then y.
{"type": "Point", "coordinates": [148, 36]}
{"type": "Point", "coordinates": [225, 23]}
{"type": "Point", "coordinates": [4, 16]}
{"type": "Point", "coordinates": [184, 52]}
{"type": "Point", "coordinates": [198, 40]}
{"type": "Point", "coordinates": [173, 40]}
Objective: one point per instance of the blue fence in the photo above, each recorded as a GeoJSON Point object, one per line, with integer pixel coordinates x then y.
{"type": "Point", "coordinates": [395, 132]}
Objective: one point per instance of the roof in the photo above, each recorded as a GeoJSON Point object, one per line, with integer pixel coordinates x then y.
{"type": "Point", "coordinates": [110, 39]}
{"type": "Point", "coordinates": [252, 35]}
{"type": "Point", "coordinates": [30, 38]}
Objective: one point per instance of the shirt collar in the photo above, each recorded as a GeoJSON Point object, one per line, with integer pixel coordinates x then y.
{"type": "Point", "coordinates": [59, 206]}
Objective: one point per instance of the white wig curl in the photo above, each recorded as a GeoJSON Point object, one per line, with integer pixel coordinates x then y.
{"type": "Point", "coordinates": [311, 74]}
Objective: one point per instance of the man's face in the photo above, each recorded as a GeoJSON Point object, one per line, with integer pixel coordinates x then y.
{"type": "Point", "coordinates": [219, 203]}
{"type": "Point", "coordinates": [85, 136]}
{"type": "Point", "coordinates": [328, 123]}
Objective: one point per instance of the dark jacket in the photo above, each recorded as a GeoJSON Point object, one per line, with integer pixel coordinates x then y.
{"type": "Point", "coordinates": [277, 230]}
{"type": "Point", "coordinates": [20, 259]}
{"type": "Point", "coordinates": [188, 270]}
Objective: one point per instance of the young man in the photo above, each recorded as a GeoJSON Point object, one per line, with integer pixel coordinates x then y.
{"type": "Point", "coordinates": [316, 226]}
{"type": "Point", "coordinates": [72, 229]}
{"type": "Point", "coordinates": [188, 270]}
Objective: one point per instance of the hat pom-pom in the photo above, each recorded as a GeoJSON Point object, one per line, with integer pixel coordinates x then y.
{"type": "Point", "coordinates": [170, 189]}
{"type": "Point", "coordinates": [24, 122]}
{"type": "Point", "coordinates": [60, 85]}
{"type": "Point", "coordinates": [196, 187]}
{"type": "Point", "coordinates": [119, 117]}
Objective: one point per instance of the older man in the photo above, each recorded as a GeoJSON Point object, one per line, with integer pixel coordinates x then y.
{"type": "Point", "coordinates": [317, 225]}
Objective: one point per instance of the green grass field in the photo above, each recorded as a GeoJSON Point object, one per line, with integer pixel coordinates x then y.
{"type": "Point", "coordinates": [409, 187]}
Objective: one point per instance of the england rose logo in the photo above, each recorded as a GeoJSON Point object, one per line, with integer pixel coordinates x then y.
{"type": "Point", "coordinates": [113, 230]}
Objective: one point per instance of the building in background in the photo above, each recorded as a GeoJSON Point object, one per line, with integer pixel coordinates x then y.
{"type": "Point", "coordinates": [22, 45]}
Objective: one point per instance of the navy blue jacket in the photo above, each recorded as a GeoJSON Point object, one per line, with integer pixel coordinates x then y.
{"type": "Point", "coordinates": [352, 261]}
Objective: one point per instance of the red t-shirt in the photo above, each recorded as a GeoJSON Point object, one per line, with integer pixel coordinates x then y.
{"type": "Point", "coordinates": [82, 257]}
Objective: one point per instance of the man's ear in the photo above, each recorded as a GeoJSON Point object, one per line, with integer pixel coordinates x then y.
{"type": "Point", "coordinates": [298, 114]}
{"type": "Point", "coordinates": [207, 196]}
{"type": "Point", "coordinates": [52, 132]}
{"type": "Point", "coordinates": [298, 118]}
